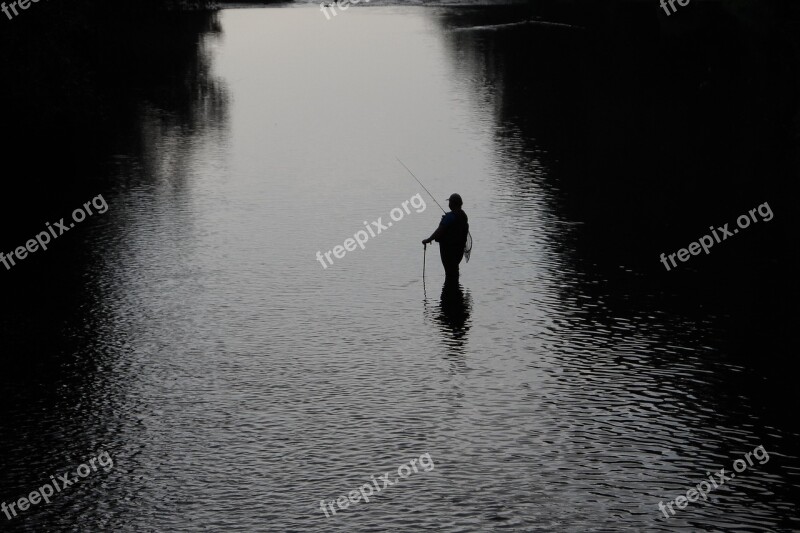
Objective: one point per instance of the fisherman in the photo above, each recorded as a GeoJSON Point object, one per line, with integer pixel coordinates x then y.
{"type": "Point", "coordinates": [451, 236]}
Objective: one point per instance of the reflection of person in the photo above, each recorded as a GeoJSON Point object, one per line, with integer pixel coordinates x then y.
{"type": "Point", "coordinates": [452, 316]}
{"type": "Point", "coordinates": [455, 308]}
{"type": "Point", "coordinates": [451, 236]}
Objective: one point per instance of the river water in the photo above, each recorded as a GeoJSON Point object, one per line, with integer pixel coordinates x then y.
{"type": "Point", "coordinates": [236, 382]}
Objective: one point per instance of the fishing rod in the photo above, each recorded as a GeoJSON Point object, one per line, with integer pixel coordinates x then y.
{"type": "Point", "coordinates": [426, 189]}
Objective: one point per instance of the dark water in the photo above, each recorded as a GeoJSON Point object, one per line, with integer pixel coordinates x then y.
{"type": "Point", "coordinates": [569, 383]}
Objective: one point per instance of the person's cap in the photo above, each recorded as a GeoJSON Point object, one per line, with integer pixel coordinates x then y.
{"type": "Point", "coordinates": [456, 199]}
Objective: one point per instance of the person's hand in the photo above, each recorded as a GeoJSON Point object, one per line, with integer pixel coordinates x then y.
{"type": "Point", "coordinates": [426, 241]}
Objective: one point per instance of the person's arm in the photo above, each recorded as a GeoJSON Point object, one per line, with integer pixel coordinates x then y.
{"type": "Point", "coordinates": [441, 230]}
{"type": "Point", "coordinates": [435, 235]}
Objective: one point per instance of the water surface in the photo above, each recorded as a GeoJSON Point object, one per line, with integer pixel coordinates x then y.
{"type": "Point", "coordinates": [236, 382]}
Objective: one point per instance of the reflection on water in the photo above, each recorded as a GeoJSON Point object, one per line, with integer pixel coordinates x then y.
{"type": "Point", "coordinates": [452, 316]}
{"type": "Point", "coordinates": [192, 334]}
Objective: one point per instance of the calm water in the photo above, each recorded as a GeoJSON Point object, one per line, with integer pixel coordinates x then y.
{"type": "Point", "coordinates": [236, 383]}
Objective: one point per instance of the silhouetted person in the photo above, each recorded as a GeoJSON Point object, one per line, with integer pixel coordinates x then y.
{"type": "Point", "coordinates": [451, 236]}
